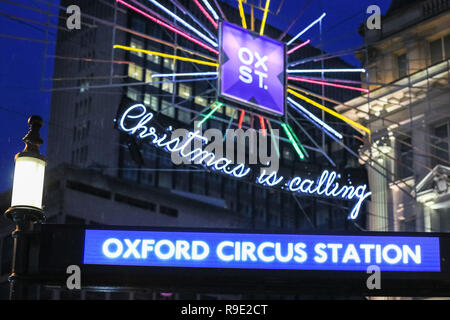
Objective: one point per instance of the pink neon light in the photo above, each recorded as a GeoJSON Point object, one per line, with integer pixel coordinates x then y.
{"type": "Point", "coordinates": [214, 23]}
{"type": "Point", "coordinates": [241, 119]}
{"type": "Point", "coordinates": [162, 23]}
{"type": "Point", "coordinates": [328, 84]}
{"type": "Point", "coordinates": [263, 125]}
{"type": "Point", "coordinates": [298, 47]}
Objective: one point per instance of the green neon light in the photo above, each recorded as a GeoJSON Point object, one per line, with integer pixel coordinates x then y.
{"type": "Point", "coordinates": [218, 105]}
{"type": "Point", "coordinates": [272, 136]}
{"type": "Point", "coordinates": [292, 140]}
{"type": "Point", "coordinates": [297, 140]}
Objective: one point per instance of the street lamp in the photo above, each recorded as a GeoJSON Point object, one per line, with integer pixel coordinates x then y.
{"type": "Point", "coordinates": [26, 205]}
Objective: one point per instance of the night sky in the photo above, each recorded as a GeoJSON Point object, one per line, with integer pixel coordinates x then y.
{"type": "Point", "coordinates": [22, 68]}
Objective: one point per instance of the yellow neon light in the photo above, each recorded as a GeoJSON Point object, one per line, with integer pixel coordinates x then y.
{"type": "Point", "coordinates": [263, 24]}
{"type": "Point", "coordinates": [241, 12]}
{"type": "Point", "coordinates": [164, 55]}
{"type": "Point", "coordinates": [332, 112]}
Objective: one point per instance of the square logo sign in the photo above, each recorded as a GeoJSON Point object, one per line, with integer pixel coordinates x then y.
{"type": "Point", "coordinates": [252, 69]}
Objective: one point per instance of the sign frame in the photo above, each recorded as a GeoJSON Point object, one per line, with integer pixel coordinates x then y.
{"type": "Point", "coordinates": [63, 245]}
{"type": "Point", "coordinates": [241, 102]}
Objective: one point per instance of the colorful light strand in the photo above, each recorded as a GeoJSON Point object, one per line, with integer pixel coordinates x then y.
{"type": "Point", "coordinates": [241, 119]}
{"type": "Point", "coordinates": [263, 125]}
{"type": "Point", "coordinates": [165, 55]}
{"type": "Point", "coordinates": [332, 112]}
{"type": "Point", "coordinates": [329, 84]}
{"type": "Point", "coordinates": [306, 29]}
{"type": "Point", "coordinates": [211, 9]}
{"type": "Point", "coordinates": [298, 47]}
{"type": "Point", "coordinates": [218, 105]}
{"type": "Point", "coordinates": [297, 140]}
{"type": "Point", "coordinates": [325, 70]}
{"type": "Point", "coordinates": [263, 23]}
{"type": "Point", "coordinates": [207, 15]}
{"type": "Point", "coordinates": [163, 24]}
{"type": "Point", "coordinates": [187, 25]}
{"type": "Point", "coordinates": [312, 118]}
{"type": "Point", "coordinates": [242, 14]}
{"type": "Point", "coordinates": [293, 142]}
{"type": "Point", "coordinates": [190, 74]}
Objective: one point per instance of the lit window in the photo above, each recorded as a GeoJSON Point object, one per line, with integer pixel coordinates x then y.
{"type": "Point", "coordinates": [136, 44]}
{"type": "Point", "coordinates": [147, 99]}
{"type": "Point", "coordinates": [148, 76]}
{"type": "Point", "coordinates": [167, 85]}
{"type": "Point", "coordinates": [231, 112]}
{"type": "Point", "coordinates": [132, 94]}
{"type": "Point", "coordinates": [167, 109]}
{"type": "Point", "coordinates": [152, 57]}
{"type": "Point", "coordinates": [151, 101]}
{"type": "Point", "coordinates": [169, 63]}
{"type": "Point", "coordinates": [135, 71]}
{"type": "Point", "coordinates": [184, 91]}
{"type": "Point", "coordinates": [201, 101]}
{"type": "Point", "coordinates": [154, 103]}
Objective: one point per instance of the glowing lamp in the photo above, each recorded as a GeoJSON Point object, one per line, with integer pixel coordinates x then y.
{"type": "Point", "coordinates": [29, 173]}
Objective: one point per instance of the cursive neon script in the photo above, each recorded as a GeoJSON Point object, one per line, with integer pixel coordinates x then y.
{"type": "Point", "coordinates": [136, 121]}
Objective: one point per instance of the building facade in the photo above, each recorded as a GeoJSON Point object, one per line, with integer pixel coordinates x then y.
{"type": "Point", "coordinates": [408, 111]}
{"type": "Point", "coordinates": [99, 176]}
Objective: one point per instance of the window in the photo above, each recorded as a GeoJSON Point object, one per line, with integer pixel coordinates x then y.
{"type": "Point", "coordinates": [167, 85]}
{"type": "Point", "coordinates": [201, 101]}
{"type": "Point", "coordinates": [440, 49]}
{"type": "Point", "coordinates": [287, 154]}
{"type": "Point", "coordinates": [436, 51]}
{"type": "Point", "coordinates": [231, 112]}
{"type": "Point", "coordinates": [440, 145]}
{"type": "Point", "coordinates": [167, 109]}
{"type": "Point", "coordinates": [134, 43]}
{"type": "Point", "coordinates": [165, 180]}
{"type": "Point", "coordinates": [184, 91]}
{"type": "Point", "coordinates": [135, 71]}
{"type": "Point", "coordinates": [132, 94]}
{"type": "Point", "coordinates": [402, 65]}
{"type": "Point", "coordinates": [405, 153]}
{"type": "Point", "coordinates": [148, 76]}
{"type": "Point", "coordinates": [184, 116]}
{"type": "Point", "coordinates": [153, 58]}
{"type": "Point", "coordinates": [168, 211]}
{"type": "Point", "coordinates": [151, 101]}
{"type": "Point", "coordinates": [147, 99]}
{"type": "Point", "coordinates": [138, 24]}
{"type": "Point", "coordinates": [169, 64]}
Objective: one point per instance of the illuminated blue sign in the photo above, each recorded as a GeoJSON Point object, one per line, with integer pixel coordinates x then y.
{"type": "Point", "coordinates": [261, 251]}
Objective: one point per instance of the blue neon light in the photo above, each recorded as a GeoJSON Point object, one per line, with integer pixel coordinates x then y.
{"type": "Point", "coordinates": [261, 251]}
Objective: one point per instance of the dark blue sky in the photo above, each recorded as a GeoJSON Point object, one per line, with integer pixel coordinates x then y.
{"type": "Point", "coordinates": [22, 68]}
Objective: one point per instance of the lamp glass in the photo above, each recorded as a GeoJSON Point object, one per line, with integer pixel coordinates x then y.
{"type": "Point", "coordinates": [28, 183]}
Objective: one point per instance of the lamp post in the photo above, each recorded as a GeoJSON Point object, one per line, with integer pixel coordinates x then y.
{"type": "Point", "coordinates": [26, 205]}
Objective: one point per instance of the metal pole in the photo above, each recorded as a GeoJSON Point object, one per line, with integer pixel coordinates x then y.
{"type": "Point", "coordinates": [25, 218]}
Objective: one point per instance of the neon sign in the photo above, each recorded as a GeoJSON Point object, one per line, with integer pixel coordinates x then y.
{"type": "Point", "coordinates": [136, 121]}
{"type": "Point", "coordinates": [261, 251]}
{"type": "Point", "coordinates": [252, 69]}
